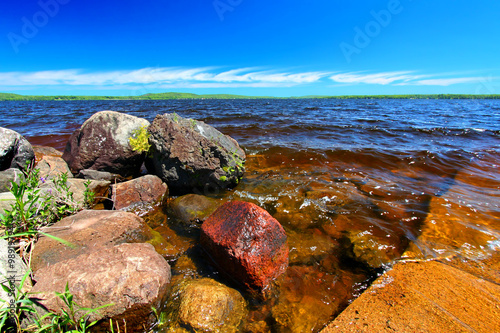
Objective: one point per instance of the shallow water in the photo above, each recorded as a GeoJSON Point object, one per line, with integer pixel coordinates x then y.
{"type": "Point", "coordinates": [357, 185]}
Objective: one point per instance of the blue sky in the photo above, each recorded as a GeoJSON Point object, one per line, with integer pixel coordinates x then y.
{"type": "Point", "coordinates": [276, 48]}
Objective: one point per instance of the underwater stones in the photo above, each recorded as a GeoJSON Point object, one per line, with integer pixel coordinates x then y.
{"type": "Point", "coordinates": [102, 143]}
{"type": "Point", "coordinates": [205, 305]}
{"type": "Point", "coordinates": [131, 277]}
{"type": "Point", "coordinates": [372, 250]}
{"type": "Point", "coordinates": [190, 209]}
{"type": "Point", "coordinates": [191, 156]}
{"type": "Point", "coordinates": [87, 231]}
{"type": "Point", "coordinates": [15, 150]}
{"type": "Point", "coordinates": [144, 190]}
{"type": "Point", "coordinates": [247, 243]}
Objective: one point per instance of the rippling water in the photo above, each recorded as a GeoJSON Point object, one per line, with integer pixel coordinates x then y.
{"type": "Point", "coordinates": [357, 184]}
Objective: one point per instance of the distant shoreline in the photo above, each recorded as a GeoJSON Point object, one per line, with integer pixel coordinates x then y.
{"type": "Point", "coordinates": [173, 95]}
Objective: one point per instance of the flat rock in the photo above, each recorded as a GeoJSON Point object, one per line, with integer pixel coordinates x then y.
{"type": "Point", "coordinates": [145, 190]}
{"type": "Point", "coordinates": [87, 231]}
{"type": "Point", "coordinates": [132, 277]}
{"type": "Point", "coordinates": [247, 243]}
{"type": "Point", "coordinates": [191, 156]}
{"type": "Point", "coordinates": [41, 151]}
{"type": "Point", "coordinates": [102, 143]}
{"type": "Point", "coordinates": [423, 297]}
{"type": "Point", "coordinates": [15, 150]}
{"type": "Point", "coordinates": [99, 175]}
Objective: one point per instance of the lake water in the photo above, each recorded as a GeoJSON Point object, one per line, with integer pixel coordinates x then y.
{"type": "Point", "coordinates": [357, 185]}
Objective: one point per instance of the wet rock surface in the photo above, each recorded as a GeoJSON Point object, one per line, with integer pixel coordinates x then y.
{"type": "Point", "coordinates": [142, 191]}
{"type": "Point", "coordinates": [15, 150]}
{"type": "Point", "coordinates": [88, 231]}
{"type": "Point", "coordinates": [191, 209]}
{"type": "Point", "coordinates": [423, 297]}
{"type": "Point", "coordinates": [247, 243]}
{"type": "Point", "coordinates": [191, 156]}
{"type": "Point", "coordinates": [102, 143]}
{"type": "Point", "coordinates": [205, 305]}
{"type": "Point", "coordinates": [132, 277]}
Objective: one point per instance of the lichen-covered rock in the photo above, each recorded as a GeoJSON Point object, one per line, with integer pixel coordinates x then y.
{"type": "Point", "coordinates": [102, 143]}
{"type": "Point", "coordinates": [131, 277]}
{"type": "Point", "coordinates": [247, 243]}
{"type": "Point", "coordinates": [205, 305]}
{"type": "Point", "coordinates": [145, 190]}
{"type": "Point", "coordinates": [87, 231]}
{"type": "Point", "coordinates": [190, 155]}
{"type": "Point", "coordinates": [15, 150]}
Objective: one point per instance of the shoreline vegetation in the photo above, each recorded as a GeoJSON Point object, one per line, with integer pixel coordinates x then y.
{"type": "Point", "coordinates": [175, 95]}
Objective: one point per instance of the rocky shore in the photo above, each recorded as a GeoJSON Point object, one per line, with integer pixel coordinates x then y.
{"type": "Point", "coordinates": [231, 256]}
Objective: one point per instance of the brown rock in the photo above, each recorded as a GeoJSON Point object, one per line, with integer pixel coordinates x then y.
{"type": "Point", "coordinates": [88, 231]}
{"type": "Point", "coordinates": [247, 243]}
{"type": "Point", "coordinates": [423, 297]}
{"type": "Point", "coordinates": [205, 305]}
{"type": "Point", "coordinates": [141, 191]}
{"type": "Point", "coordinates": [132, 277]}
{"type": "Point", "coordinates": [102, 143]}
{"type": "Point", "coordinates": [51, 167]}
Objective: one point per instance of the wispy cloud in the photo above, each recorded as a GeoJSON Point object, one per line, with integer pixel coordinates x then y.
{"type": "Point", "coordinates": [402, 78]}
{"type": "Point", "coordinates": [173, 77]}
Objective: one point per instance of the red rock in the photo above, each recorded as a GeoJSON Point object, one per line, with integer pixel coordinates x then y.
{"type": "Point", "coordinates": [247, 243]}
{"type": "Point", "coordinates": [144, 190]}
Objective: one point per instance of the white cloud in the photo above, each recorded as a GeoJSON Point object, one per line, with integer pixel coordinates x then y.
{"type": "Point", "coordinates": [403, 78]}
{"type": "Point", "coordinates": [383, 78]}
{"type": "Point", "coordinates": [450, 81]}
{"type": "Point", "coordinates": [173, 77]}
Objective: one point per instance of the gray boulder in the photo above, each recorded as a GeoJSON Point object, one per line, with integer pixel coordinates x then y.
{"type": "Point", "coordinates": [191, 156]}
{"type": "Point", "coordinates": [15, 150]}
{"type": "Point", "coordinates": [102, 143]}
{"type": "Point", "coordinates": [8, 176]}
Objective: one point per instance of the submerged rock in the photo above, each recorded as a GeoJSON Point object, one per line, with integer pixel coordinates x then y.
{"type": "Point", "coordinates": [145, 190]}
{"type": "Point", "coordinates": [205, 305]}
{"type": "Point", "coordinates": [247, 243]}
{"type": "Point", "coordinates": [190, 209]}
{"type": "Point", "coordinates": [15, 150]}
{"type": "Point", "coordinates": [102, 143]}
{"type": "Point", "coordinates": [190, 155]}
{"type": "Point", "coordinates": [132, 278]}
